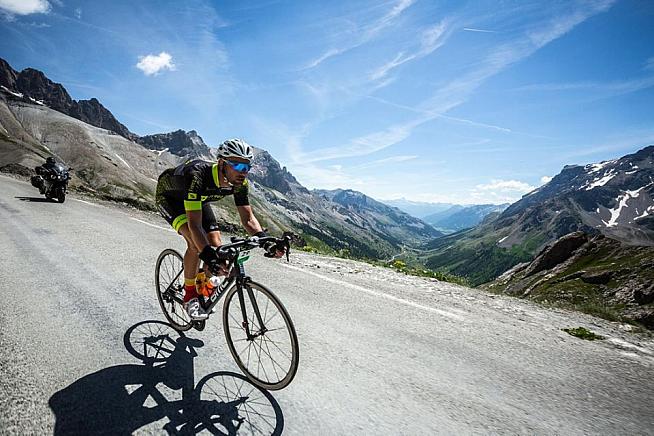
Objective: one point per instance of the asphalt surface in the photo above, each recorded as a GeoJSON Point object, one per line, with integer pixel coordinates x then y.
{"type": "Point", "coordinates": [380, 352]}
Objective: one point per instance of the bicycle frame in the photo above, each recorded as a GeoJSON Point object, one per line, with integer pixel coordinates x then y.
{"type": "Point", "coordinates": [236, 277]}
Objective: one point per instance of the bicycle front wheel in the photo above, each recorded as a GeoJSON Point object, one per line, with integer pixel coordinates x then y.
{"type": "Point", "coordinates": [270, 354]}
{"type": "Point", "coordinates": [169, 280]}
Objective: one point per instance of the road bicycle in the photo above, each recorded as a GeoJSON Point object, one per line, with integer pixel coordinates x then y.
{"type": "Point", "coordinates": [259, 331]}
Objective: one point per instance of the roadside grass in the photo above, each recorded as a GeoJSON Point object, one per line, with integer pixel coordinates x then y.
{"type": "Point", "coordinates": [583, 333]}
{"type": "Point", "coordinates": [398, 265]}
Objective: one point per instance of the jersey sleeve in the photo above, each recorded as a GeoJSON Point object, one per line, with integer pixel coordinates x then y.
{"type": "Point", "coordinates": [194, 187]}
{"type": "Point", "coordinates": [241, 194]}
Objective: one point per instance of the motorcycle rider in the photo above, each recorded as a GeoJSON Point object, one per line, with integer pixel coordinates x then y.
{"type": "Point", "coordinates": [182, 197]}
{"type": "Point", "coordinates": [48, 166]}
{"type": "Point", "coordinates": [45, 170]}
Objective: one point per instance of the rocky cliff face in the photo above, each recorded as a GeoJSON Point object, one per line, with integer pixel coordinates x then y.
{"type": "Point", "coordinates": [34, 86]}
{"type": "Point", "coordinates": [591, 273]}
{"type": "Point", "coordinates": [179, 142]}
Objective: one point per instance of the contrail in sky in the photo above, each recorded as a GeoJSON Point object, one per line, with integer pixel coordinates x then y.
{"type": "Point", "coordinates": [470, 29]}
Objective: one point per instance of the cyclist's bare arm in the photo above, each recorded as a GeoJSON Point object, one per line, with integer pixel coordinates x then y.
{"type": "Point", "coordinates": [248, 219]}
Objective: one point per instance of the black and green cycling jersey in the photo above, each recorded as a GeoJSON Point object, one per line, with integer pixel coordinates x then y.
{"type": "Point", "coordinates": [189, 187]}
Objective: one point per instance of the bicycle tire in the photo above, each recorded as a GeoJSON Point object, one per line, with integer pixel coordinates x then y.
{"type": "Point", "coordinates": [248, 368]}
{"type": "Point", "coordinates": [173, 310]}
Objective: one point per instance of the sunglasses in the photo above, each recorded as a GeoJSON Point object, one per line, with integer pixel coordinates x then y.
{"type": "Point", "coordinates": [241, 167]}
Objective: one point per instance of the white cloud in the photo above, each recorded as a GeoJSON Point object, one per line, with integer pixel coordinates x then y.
{"type": "Point", "coordinates": [25, 7]}
{"type": "Point", "coordinates": [320, 59]}
{"type": "Point", "coordinates": [431, 39]}
{"type": "Point", "coordinates": [387, 19]}
{"type": "Point", "coordinates": [363, 145]}
{"type": "Point", "coordinates": [545, 179]}
{"type": "Point", "coordinates": [649, 64]}
{"type": "Point", "coordinates": [458, 91]}
{"type": "Point", "coordinates": [78, 13]}
{"type": "Point", "coordinates": [153, 65]}
{"type": "Point", "coordinates": [506, 186]}
{"type": "Point", "coordinates": [500, 191]}
{"type": "Point", "coordinates": [367, 35]}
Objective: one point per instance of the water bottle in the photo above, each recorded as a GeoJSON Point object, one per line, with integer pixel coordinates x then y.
{"type": "Point", "coordinates": [212, 284]}
{"type": "Point", "coordinates": [201, 284]}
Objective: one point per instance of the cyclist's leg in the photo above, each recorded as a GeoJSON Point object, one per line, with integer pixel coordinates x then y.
{"type": "Point", "coordinates": [191, 256]}
{"type": "Point", "coordinates": [191, 263]}
{"type": "Point", "coordinates": [173, 212]}
{"type": "Point", "coordinates": [210, 225]}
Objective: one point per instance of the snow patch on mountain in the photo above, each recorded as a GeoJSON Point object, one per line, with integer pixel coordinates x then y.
{"type": "Point", "coordinates": [39, 102]}
{"type": "Point", "coordinates": [596, 167]}
{"type": "Point", "coordinates": [622, 203]}
{"type": "Point", "coordinates": [15, 94]}
{"type": "Point", "coordinates": [601, 181]}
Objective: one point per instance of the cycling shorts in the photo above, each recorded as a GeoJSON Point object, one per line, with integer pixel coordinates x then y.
{"type": "Point", "coordinates": [175, 214]}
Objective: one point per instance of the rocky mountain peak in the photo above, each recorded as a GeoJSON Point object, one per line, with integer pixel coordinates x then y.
{"type": "Point", "coordinates": [7, 75]}
{"type": "Point", "coordinates": [268, 172]}
{"type": "Point", "coordinates": [614, 197]}
{"type": "Point", "coordinates": [178, 142]}
{"type": "Point", "coordinates": [37, 87]}
{"type": "Point", "coordinates": [35, 84]}
{"type": "Point", "coordinates": [93, 112]}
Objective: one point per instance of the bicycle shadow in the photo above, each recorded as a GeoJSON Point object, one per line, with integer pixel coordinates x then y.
{"type": "Point", "coordinates": [160, 394]}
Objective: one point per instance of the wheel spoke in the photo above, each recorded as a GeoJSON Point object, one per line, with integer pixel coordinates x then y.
{"type": "Point", "coordinates": [280, 350]}
{"type": "Point", "coordinates": [269, 355]}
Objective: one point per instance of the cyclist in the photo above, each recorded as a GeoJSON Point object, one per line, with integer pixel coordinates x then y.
{"type": "Point", "coordinates": [182, 197]}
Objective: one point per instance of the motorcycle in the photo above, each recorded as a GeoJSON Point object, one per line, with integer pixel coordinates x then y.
{"type": "Point", "coordinates": [52, 181]}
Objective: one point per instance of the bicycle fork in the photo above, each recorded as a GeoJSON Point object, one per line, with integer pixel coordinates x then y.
{"type": "Point", "coordinates": [255, 307]}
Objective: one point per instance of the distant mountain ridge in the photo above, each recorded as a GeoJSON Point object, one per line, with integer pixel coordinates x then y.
{"type": "Point", "coordinates": [388, 219]}
{"type": "Point", "coordinates": [463, 217]}
{"type": "Point", "coordinates": [418, 209]}
{"type": "Point", "coordinates": [613, 198]}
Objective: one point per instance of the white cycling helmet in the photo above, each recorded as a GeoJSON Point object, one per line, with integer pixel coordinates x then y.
{"type": "Point", "coordinates": [235, 148]}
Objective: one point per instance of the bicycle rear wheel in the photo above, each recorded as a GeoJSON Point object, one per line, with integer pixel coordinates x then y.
{"type": "Point", "coordinates": [270, 356]}
{"type": "Point", "coordinates": [169, 280]}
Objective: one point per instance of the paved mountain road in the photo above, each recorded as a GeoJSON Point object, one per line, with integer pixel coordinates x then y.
{"type": "Point", "coordinates": [380, 353]}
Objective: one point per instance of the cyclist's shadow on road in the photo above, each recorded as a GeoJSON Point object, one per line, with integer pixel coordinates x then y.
{"type": "Point", "coordinates": [160, 395]}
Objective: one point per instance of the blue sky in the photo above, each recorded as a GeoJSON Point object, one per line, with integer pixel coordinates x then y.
{"type": "Point", "coordinates": [462, 102]}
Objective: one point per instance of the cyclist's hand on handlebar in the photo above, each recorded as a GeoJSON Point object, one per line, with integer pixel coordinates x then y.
{"type": "Point", "coordinates": [213, 261]}
{"type": "Point", "coordinates": [273, 249]}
